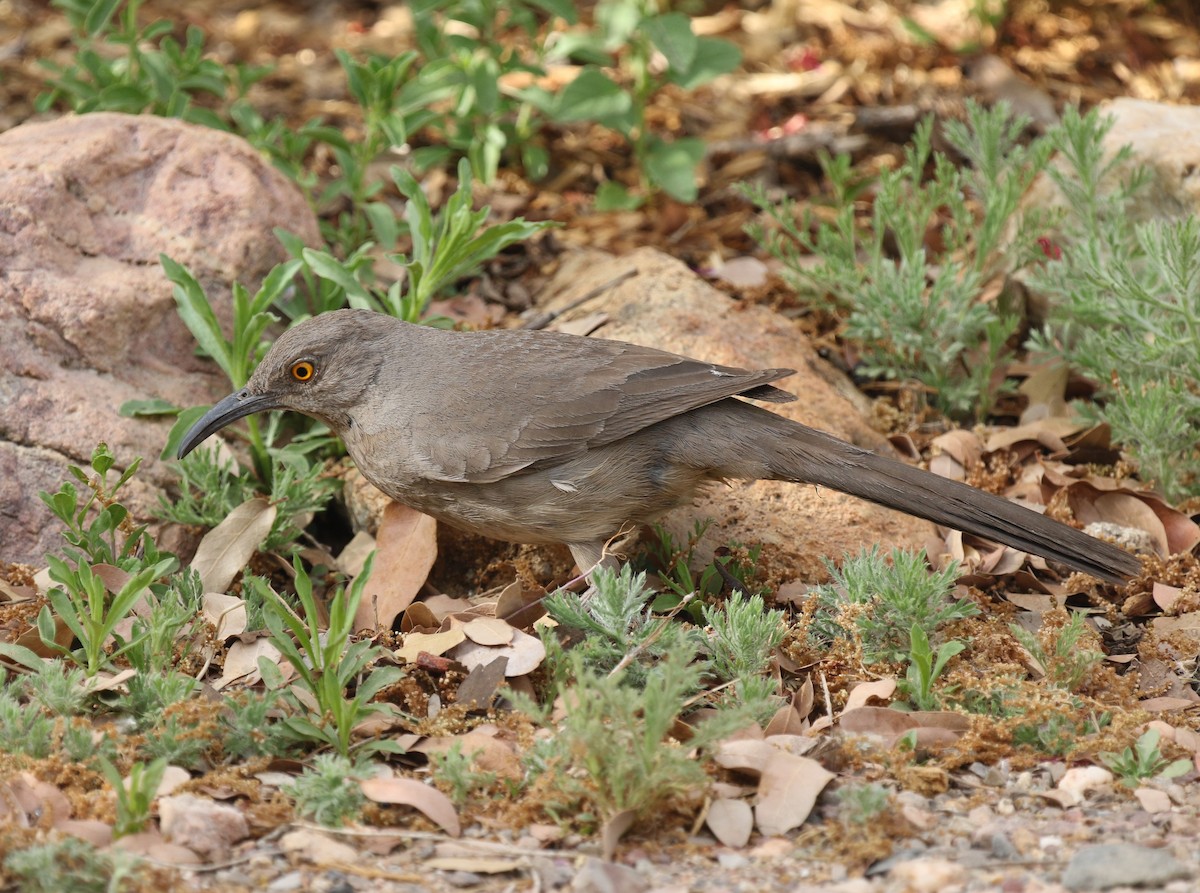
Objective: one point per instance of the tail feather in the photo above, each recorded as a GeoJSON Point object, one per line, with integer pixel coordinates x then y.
{"type": "Point", "coordinates": [816, 457]}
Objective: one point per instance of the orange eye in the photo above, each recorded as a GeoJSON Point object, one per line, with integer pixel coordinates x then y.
{"type": "Point", "coordinates": [303, 370]}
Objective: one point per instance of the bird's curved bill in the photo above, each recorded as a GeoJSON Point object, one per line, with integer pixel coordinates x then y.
{"type": "Point", "coordinates": [232, 408]}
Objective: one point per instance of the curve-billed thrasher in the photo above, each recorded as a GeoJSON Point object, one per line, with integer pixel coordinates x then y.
{"type": "Point", "coordinates": [540, 437]}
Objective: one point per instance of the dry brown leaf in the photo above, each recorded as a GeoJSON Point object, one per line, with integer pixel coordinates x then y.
{"type": "Point", "coordinates": [882, 721]}
{"type": "Point", "coordinates": [241, 662]}
{"type": "Point", "coordinates": [520, 606]}
{"type": "Point", "coordinates": [525, 654]}
{"type": "Point", "coordinates": [351, 559]}
{"type": "Point", "coordinates": [1048, 432]}
{"type": "Point", "coordinates": [964, 447]}
{"type": "Point", "coordinates": [488, 752]}
{"type": "Point", "coordinates": [881, 689]}
{"type": "Point", "coordinates": [488, 631]}
{"type": "Point", "coordinates": [419, 618]}
{"type": "Point", "coordinates": [787, 792]}
{"type": "Point", "coordinates": [25, 800]}
{"type": "Point", "coordinates": [1045, 389]}
{"type": "Point", "coordinates": [1127, 510]}
{"type": "Point", "coordinates": [407, 549]}
{"type": "Point", "coordinates": [1165, 596]}
{"type": "Point", "coordinates": [613, 830]}
{"type": "Point", "coordinates": [477, 691]}
{"type": "Point", "coordinates": [788, 720]}
{"type": "Point", "coordinates": [108, 681]}
{"type": "Point", "coordinates": [113, 577]}
{"type": "Point", "coordinates": [98, 834]}
{"type": "Point", "coordinates": [427, 799]}
{"type": "Point", "coordinates": [744, 755]}
{"type": "Point", "coordinates": [226, 613]}
{"type": "Point", "coordinates": [1167, 704]}
{"type": "Point", "coordinates": [429, 643]}
{"type": "Point", "coordinates": [228, 547]}
{"type": "Point", "coordinates": [798, 745]}
{"type": "Point", "coordinates": [730, 821]}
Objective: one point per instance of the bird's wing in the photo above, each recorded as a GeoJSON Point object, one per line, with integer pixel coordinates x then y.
{"type": "Point", "coordinates": [592, 393]}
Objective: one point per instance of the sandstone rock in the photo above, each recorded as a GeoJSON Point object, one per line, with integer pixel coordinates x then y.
{"type": "Point", "coordinates": [667, 306]}
{"type": "Point", "coordinates": [87, 317]}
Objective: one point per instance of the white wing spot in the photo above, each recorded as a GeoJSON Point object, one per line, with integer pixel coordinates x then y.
{"type": "Point", "coordinates": [565, 486]}
{"type": "Point", "coordinates": [719, 374]}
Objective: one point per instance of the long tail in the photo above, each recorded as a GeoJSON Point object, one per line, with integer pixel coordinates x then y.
{"type": "Point", "coordinates": [807, 454]}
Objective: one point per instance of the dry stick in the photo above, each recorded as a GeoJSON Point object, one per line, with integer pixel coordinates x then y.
{"type": "Point", "coordinates": [828, 698]}
{"type": "Point", "coordinates": [826, 136]}
{"type": "Point", "coordinates": [545, 317]}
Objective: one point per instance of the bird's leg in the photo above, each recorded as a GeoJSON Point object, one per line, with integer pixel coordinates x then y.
{"type": "Point", "coordinates": [589, 557]}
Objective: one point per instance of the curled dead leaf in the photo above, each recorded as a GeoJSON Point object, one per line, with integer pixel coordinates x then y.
{"type": "Point", "coordinates": [427, 799]}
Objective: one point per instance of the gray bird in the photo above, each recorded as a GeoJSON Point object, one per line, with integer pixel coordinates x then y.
{"type": "Point", "coordinates": [542, 437]}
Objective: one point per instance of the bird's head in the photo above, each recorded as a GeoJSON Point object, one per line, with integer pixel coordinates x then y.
{"type": "Point", "coordinates": [321, 367]}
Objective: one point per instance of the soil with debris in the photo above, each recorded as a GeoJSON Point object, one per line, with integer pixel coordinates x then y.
{"type": "Point", "coordinates": [975, 814]}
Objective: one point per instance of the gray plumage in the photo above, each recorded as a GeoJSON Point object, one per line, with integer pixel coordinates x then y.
{"type": "Point", "coordinates": [544, 437]}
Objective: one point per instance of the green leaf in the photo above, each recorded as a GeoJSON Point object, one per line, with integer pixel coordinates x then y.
{"type": "Point", "coordinates": [672, 35]}
{"type": "Point", "coordinates": [672, 167]}
{"type": "Point", "coordinates": [593, 96]}
{"type": "Point", "coordinates": [153, 407]}
{"type": "Point", "coordinates": [564, 9]}
{"type": "Point", "coordinates": [612, 196]}
{"type": "Point", "coordinates": [99, 16]}
{"type": "Point", "coordinates": [713, 57]}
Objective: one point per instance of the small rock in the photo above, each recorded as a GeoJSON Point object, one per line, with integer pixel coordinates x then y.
{"type": "Point", "coordinates": [928, 875]}
{"type": "Point", "coordinates": [598, 876]}
{"type": "Point", "coordinates": [286, 883]}
{"type": "Point", "coordinates": [1104, 866]}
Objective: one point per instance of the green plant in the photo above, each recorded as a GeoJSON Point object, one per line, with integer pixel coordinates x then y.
{"type": "Point", "coordinates": [80, 744]}
{"type": "Point", "coordinates": [81, 601]}
{"type": "Point", "coordinates": [327, 664]}
{"type": "Point", "coordinates": [249, 727]}
{"type": "Point", "coordinates": [395, 103]}
{"type": "Point", "coordinates": [456, 773]}
{"type": "Point", "coordinates": [886, 596]}
{"type": "Point", "coordinates": [613, 751]}
{"type": "Point", "coordinates": [924, 667]}
{"type": "Point", "coordinates": [916, 311]}
{"type": "Point", "coordinates": [1125, 300]}
{"type": "Point", "coordinates": [156, 632]}
{"type": "Point", "coordinates": [1061, 654]}
{"type": "Point", "coordinates": [615, 624]}
{"type": "Point", "coordinates": [637, 35]}
{"type": "Point", "coordinates": [732, 566]}
{"type": "Point", "coordinates": [69, 863]}
{"type": "Point", "coordinates": [60, 688]}
{"type": "Point", "coordinates": [24, 728]}
{"type": "Point", "coordinates": [150, 71]}
{"type": "Point", "coordinates": [1057, 736]}
{"type": "Point", "coordinates": [134, 798]}
{"type": "Point", "coordinates": [210, 488]}
{"type": "Point", "coordinates": [489, 118]}
{"type": "Point", "coordinates": [743, 638]}
{"type": "Point", "coordinates": [1143, 761]}
{"type": "Point", "coordinates": [150, 693]}
{"type": "Point", "coordinates": [177, 743]}
{"type": "Point", "coordinates": [237, 357]}
{"type": "Point", "coordinates": [862, 804]}
{"type": "Point", "coordinates": [98, 527]}
{"type": "Point", "coordinates": [327, 791]}
{"type": "Point", "coordinates": [446, 247]}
